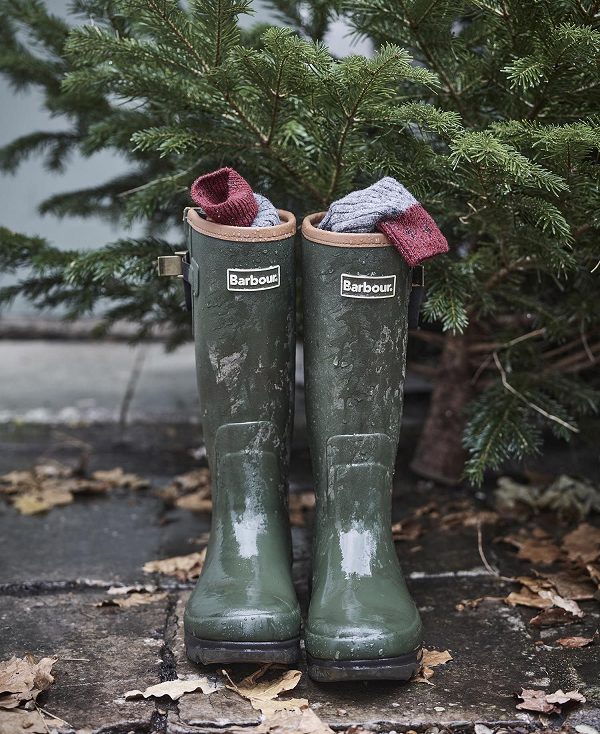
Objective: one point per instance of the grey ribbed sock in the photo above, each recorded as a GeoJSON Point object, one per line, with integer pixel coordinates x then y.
{"type": "Point", "coordinates": [267, 214]}
{"type": "Point", "coordinates": [361, 210]}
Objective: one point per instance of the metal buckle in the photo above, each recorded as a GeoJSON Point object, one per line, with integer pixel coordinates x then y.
{"type": "Point", "coordinates": [170, 266]}
{"type": "Point", "coordinates": [420, 283]}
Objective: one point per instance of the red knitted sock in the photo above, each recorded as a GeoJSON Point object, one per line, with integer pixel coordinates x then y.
{"type": "Point", "coordinates": [225, 197]}
{"type": "Point", "coordinates": [415, 235]}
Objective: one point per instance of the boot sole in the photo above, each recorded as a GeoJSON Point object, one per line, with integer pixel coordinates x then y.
{"type": "Point", "coordinates": [208, 652]}
{"type": "Point", "coordinates": [400, 668]}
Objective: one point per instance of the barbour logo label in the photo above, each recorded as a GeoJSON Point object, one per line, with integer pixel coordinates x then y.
{"type": "Point", "coordinates": [253, 279]}
{"type": "Point", "coordinates": [368, 286]}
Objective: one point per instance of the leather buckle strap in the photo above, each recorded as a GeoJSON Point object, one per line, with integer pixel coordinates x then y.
{"type": "Point", "coordinates": [178, 266]}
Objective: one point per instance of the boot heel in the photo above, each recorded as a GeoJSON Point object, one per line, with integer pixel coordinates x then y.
{"type": "Point", "coordinates": [208, 652]}
{"type": "Point", "coordinates": [400, 668]}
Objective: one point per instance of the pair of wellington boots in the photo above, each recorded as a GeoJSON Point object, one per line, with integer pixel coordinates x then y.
{"type": "Point", "coordinates": [362, 622]}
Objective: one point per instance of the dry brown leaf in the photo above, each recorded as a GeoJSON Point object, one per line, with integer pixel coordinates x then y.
{"type": "Point", "coordinates": [552, 617]}
{"type": "Point", "coordinates": [297, 721]}
{"type": "Point", "coordinates": [483, 517]}
{"type": "Point", "coordinates": [474, 603]}
{"type": "Point", "coordinates": [184, 568]}
{"type": "Point", "coordinates": [547, 703]}
{"type": "Point", "coordinates": [299, 503]}
{"type": "Point", "coordinates": [527, 598]}
{"type": "Point", "coordinates": [594, 572]}
{"type": "Point", "coordinates": [567, 604]}
{"type": "Point", "coordinates": [582, 545]}
{"type": "Point", "coordinates": [22, 679]}
{"type": "Point", "coordinates": [118, 478]}
{"type": "Point", "coordinates": [537, 549]}
{"type": "Point", "coordinates": [574, 642]}
{"type": "Point", "coordinates": [140, 588]}
{"type": "Point", "coordinates": [430, 660]}
{"type": "Point", "coordinates": [409, 529]}
{"type": "Point", "coordinates": [15, 481]}
{"type": "Point", "coordinates": [27, 722]}
{"type": "Point", "coordinates": [571, 584]}
{"type": "Point", "coordinates": [429, 508]}
{"type": "Point", "coordinates": [33, 503]}
{"type": "Point", "coordinates": [132, 600]}
{"type": "Point", "coordinates": [534, 583]}
{"type": "Point", "coordinates": [174, 689]}
{"type": "Point", "coordinates": [263, 694]}
{"type": "Point", "coordinates": [193, 480]}
{"type": "Point", "coordinates": [533, 700]}
{"type": "Point", "coordinates": [53, 484]}
{"type": "Point", "coordinates": [560, 697]}
{"type": "Point", "coordinates": [197, 480]}
{"type": "Point", "coordinates": [196, 502]}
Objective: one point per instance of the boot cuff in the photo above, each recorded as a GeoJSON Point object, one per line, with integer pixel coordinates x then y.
{"type": "Point", "coordinates": [311, 232]}
{"type": "Point", "coordinates": [286, 228]}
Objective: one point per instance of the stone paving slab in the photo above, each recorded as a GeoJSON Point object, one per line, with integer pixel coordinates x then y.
{"type": "Point", "coordinates": [102, 652]}
{"type": "Point", "coordinates": [68, 383]}
{"type": "Point", "coordinates": [494, 656]}
{"type": "Point", "coordinates": [53, 568]}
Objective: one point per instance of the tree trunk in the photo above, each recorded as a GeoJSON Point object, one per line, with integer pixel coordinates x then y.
{"type": "Point", "coordinates": [440, 455]}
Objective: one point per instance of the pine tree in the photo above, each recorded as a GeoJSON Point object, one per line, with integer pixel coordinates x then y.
{"type": "Point", "coordinates": [487, 110]}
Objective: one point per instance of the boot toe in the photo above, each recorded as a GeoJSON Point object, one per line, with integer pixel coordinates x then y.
{"type": "Point", "coordinates": [363, 639]}
{"type": "Point", "coordinates": [270, 621]}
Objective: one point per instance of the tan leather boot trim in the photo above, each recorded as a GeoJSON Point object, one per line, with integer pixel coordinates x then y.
{"type": "Point", "coordinates": [340, 239]}
{"type": "Point", "coordinates": [242, 234]}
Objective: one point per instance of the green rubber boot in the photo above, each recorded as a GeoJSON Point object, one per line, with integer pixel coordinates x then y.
{"type": "Point", "coordinates": [362, 622]}
{"type": "Point", "coordinates": [244, 607]}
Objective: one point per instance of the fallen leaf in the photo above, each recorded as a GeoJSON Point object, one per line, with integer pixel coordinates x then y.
{"type": "Point", "coordinates": [574, 642]}
{"type": "Point", "coordinates": [474, 603]}
{"type": "Point", "coordinates": [263, 694]}
{"type": "Point", "coordinates": [571, 584]}
{"type": "Point", "coordinates": [567, 604]}
{"type": "Point", "coordinates": [561, 698]}
{"type": "Point", "coordinates": [527, 598]}
{"type": "Point", "coordinates": [534, 583]}
{"type": "Point", "coordinates": [552, 617]}
{"type": "Point", "coordinates": [22, 679]}
{"type": "Point", "coordinates": [52, 484]}
{"type": "Point", "coordinates": [469, 518]}
{"type": "Point", "coordinates": [297, 721]}
{"type": "Point", "coordinates": [299, 503]}
{"type": "Point", "coordinates": [429, 508]}
{"type": "Point", "coordinates": [196, 502]}
{"type": "Point", "coordinates": [582, 545]}
{"type": "Point", "coordinates": [537, 550]}
{"type": "Point", "coordinates": [14, 481]}
{"type": "Point", "coordinates": [534, 700]}
{"type": "Point", "coordinates": [175, 689]}
{"type": "Point", "coordinates": [192, 482]}
{"type": "Point", "coordinates": [184, 568]}
{"type": "Point", "coordinates": [33, 503]}
{"type": "Point", "coordinates": [430, 660]}
{"type": "Point", "coordinates": [140, 588]}
{"type": "Point", "coordinates": [27, 722]}
{"type": "Point", "coordinates": [134, 599]}
{"type": "Point", "coordinates": [594, 572]}
{"type": "Point", "coordinates": [409, 529]}
{"type": "Point", "coordinates": [118, 478]}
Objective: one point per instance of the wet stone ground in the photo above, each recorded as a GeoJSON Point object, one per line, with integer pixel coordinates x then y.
{"type": "Point", "coordinates": [55, 568]}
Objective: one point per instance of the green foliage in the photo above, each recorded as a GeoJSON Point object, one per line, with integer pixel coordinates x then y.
{"type": "Point", "coordinates": [486, 109]}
